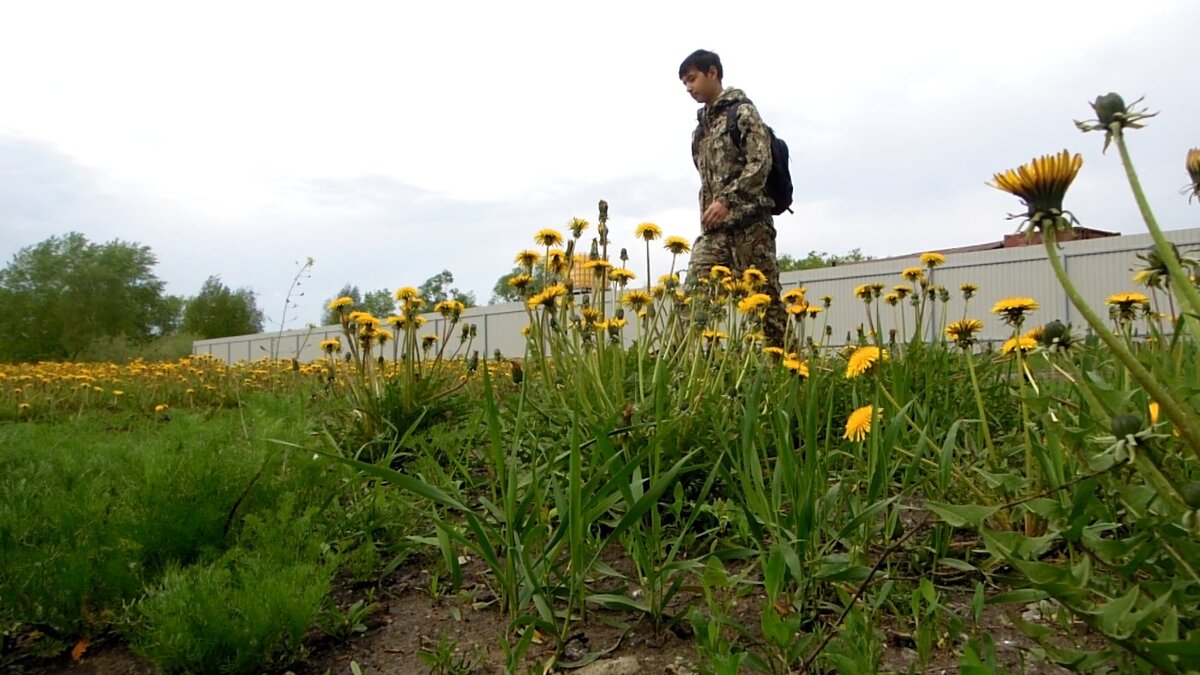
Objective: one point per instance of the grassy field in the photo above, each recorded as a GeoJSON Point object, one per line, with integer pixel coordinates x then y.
{"type": "Point", "coordinates": [814, 508]}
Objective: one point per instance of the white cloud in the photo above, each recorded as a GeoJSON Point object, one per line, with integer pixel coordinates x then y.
{"type": "Point", "coordinates": [390, 140]}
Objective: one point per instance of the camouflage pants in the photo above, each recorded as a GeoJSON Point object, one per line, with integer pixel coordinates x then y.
{"type": "Point", "coordinates": [739, 248]}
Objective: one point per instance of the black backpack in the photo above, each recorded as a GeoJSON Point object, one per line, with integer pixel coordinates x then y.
{"type": "Point", "coordinates": [779, 181]}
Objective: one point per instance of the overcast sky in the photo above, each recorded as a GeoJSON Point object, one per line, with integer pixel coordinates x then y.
{"type": "Point", "coordinates": [392, 140]}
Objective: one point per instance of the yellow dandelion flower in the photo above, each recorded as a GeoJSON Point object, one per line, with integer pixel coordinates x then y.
{"type": "Point", "coordinates": [1192, 163]}
{"type": "Point", "coordinates": [647, 232]}
{"type": "Point", "coordinates": [773, 351]}
{"type": "Point", "coordinates": [932, 259]}
{"type": "Point", "coordinates": [1041, 185]}
{"type": "Point", "coordinates": [913, 274]}
{"type": "Point", "coordinates": [1013, 310]}
{"type": "Point", "coordinates": [1022, 343]}
{"type": "Point", "coordinates": [161, 408]}
{"type": "Point", "coordinates": [813, 311]}
{"type": "Point", "coordinates": [968, 290]}
{"type": "Point", "coordinates": [527, 258]}
{"type": "Point", "coordinates": [793, 295]}
{"type": "Point", "coordinates": [863, 359]}
{"type": "Point", "coordinates": [1153, 413]}
{"type": "Point", "coordinates": [865, 292]}
{"type": "Point", "coordinates": [797, 308]}
{"type": "Point", "coordinates": [1127, 300]}
{"type": "Point", "coordinates": [520, 281]}
{"type": "Point", "coordinates": [341, 303]}
{"type": "Point", "coordinates": [577, 226]}
{"type": "Point", "coordinates": [795, 366]}
{"type": "Point", "coordinates": [364, 319]}
{"type": "Point", "coordinates": [677, 245]}
{"type": "Point", "coordinates": [621, 276]}
{"type": "Point", "coordinates": [331, 345]}
{"type": "Point", "coordinates": [963, 332]}
{"type": "Point", "coordinates": [712, 334]}
{"type": "Point", "coordinates": [891, 299]}
{"type": "Point", "coordinates": [636, 300]}
{"type": "Point", "coordinates": [118, 392]}
{"type": "Point", "coordinates": [548, 237]}
{"type": "Point", "coordinates": [754, 277]}
{"type": "Point", "coordinates": [450, 309]}
{"type": "Point", "coordinates": [407, 293]}
{"type": "Point", "coordinates": [428, 339]}
{"type": "Point", "coordinates": [599, 267]}
{"type": "Point", "coordinates": [858, 425]}
{"type": "Point", "coordinates": [719, 272]}
{"type": "Point", "coordinates": [754, 303]}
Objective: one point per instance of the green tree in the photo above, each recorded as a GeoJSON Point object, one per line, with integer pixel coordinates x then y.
{"type": "Point", "coordinates": [217, 311]}
{"type": "Point", "coordinates": [502, 292]}
{"type": "Point", "coordinates": [816, 260]}
{"type": "Point", "coordinates": [379, 303]}
{"type": "Point", "coordinates": [63, 293]}
{"type": "Point", "coordinates": [437, 288]}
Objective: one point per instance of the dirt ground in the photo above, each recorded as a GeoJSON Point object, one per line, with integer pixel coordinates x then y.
{"type": "Point", "coordinates": [410, 621]}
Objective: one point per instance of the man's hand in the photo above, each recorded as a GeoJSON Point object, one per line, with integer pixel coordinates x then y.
{"type": "Point", "coordinates": [714, 216]}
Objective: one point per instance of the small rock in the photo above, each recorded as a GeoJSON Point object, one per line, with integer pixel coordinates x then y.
{"type": "Point", "coordinates": [622, 665]}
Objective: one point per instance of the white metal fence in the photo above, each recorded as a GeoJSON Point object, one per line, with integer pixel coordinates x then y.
{"type": "Point", "coordinates": [1099, 267]}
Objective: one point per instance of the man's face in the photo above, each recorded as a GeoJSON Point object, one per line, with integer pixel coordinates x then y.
{"type": "Point", "coordinates": [703, 87]}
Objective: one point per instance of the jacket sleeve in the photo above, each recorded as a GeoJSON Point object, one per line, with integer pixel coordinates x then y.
{"type": "Point", "coordinates": [746, 191]}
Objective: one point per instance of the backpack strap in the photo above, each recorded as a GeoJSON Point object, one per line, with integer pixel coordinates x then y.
{"type": "Point", "coordinates": [731, 125]}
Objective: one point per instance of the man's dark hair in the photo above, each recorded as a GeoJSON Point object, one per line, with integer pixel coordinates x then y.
{"type": "Point", "coordinates": [702, 60]}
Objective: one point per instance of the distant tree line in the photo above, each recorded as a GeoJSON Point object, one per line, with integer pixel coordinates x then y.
{"type": "Point", "coordinates": [71, 298]}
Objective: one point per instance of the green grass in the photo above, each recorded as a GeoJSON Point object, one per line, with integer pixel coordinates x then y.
{"type": "Point", "coordinates": [197, 510]}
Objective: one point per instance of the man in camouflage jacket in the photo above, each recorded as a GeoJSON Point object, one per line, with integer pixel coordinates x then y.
{"type": "Point", "coordinates": [737, 229]}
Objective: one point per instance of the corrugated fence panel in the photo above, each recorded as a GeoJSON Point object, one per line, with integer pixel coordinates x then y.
{"type": "Point", "coordinates": [1098, 267]}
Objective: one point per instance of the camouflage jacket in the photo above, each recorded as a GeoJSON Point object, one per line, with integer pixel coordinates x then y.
{"type": "Point", "coordinates": [736, 176]}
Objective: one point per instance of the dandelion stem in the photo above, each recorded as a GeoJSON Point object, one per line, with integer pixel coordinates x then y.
{"type": "Point", "coordinates": [983, 420]}
{"type": "Point", "coordinates": [1180, 281]}
{"type": "Point", "coordinates": [1186, 423]}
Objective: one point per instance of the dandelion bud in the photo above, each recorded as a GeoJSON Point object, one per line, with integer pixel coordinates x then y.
{"type": "Point", "coordinates": [1126, 425]}
{"type": "Point", "coordinates": [603, 210]}
{"type": "Point", "coordinates": [1113, 115]}
{"type": "Point", "coordinates": [497, 355]}
{"type": "Point", "coordinates": [473, 364]}
{"type": "Point", "coordinates": [473, 330]}
{"type": "Point", "coordinates": [1108, 108]}
{"type": "Point", "coordinates": [624, 255]}
{"type": "Point", "coordinates": [1191, 494]}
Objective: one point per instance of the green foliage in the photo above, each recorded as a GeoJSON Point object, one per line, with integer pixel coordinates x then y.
{"type": "Point", "coordinates": [379, 303]}
{"type": "Point", "coordinates": [96, 520]}
{"type": "Point", "coordinates": [437, 288]}
{"type": "Point", "coordinates": [121, 349]}
{"type": "Point", "coordinates": [218, 311]}
{"type": "Point", "coordinates": [62, 293]}
{"type": "Point", "coordinates": [240, 613]}
{"type": "Point", "coordinates": [816, 260]}
{"type": "Point", "coordinates": [503, 292]}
